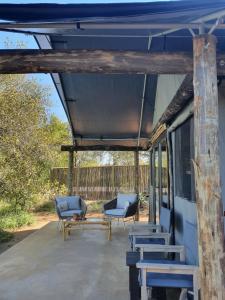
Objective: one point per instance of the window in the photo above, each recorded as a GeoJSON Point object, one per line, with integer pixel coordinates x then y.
{"type": "Point", "coordinates": [184, 153]}
{"type": "Point", "coordinates": [164, 173]}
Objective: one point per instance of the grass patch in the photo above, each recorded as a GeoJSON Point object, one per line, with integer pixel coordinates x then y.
{"type": "Point", "coordinates": [48, 206]}
{"type": "Point", "coordinates": [5, 236]}
{"type": "Point", "coordinates": [12, 219]}
{"type": "Point", "coordinates": [95, 206]}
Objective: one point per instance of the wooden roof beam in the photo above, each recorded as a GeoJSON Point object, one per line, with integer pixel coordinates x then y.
{"type": "Point", "coordinates": [94, 61]}
{"type": "Point", "coordinates": [71, 148]}
{"type": "Point", "coordinates": [21, 61]}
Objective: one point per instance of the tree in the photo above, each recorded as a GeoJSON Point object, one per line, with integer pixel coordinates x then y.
{"type": "Point", "coordinates": [24, 153]}
{"type": "Point", "coordinates": [88, 158]}
{"type": "Point", "coordinates": [58, 133]}
{"type": "Point", "coordinates": [120, 158]}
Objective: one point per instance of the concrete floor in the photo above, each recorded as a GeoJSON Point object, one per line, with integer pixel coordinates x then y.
{"type": "Point", "coordinates": [85, 267]}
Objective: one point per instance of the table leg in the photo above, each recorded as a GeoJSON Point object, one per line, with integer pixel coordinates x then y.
{"type": "Point", "coordinates": [63, 230]}
{"type": "Point", "coordinates": [110, 230]}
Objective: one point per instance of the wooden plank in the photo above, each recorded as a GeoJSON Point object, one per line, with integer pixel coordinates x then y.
{"type": "Point", "coordinates": [100, 148]}
{"type": "Point", "coordinates": [70, 173]}
{"type": "Point", "coordinates": [169, 268]}
{"type": "Point", "coordinates": [207, 170]}
{"type": "Point", "coordinates": [20, 61]}
{"type": "Point", "coordinates": [162, 248]}
{"type": "Point", "coordinates": [93, 61]}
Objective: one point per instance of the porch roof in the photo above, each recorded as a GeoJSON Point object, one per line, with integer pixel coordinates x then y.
{"type": "Point", "coordinates": [110, 110]}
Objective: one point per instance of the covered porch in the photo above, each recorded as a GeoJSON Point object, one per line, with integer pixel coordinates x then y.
{"type": "Point", "coordinates": [87, 266]}
{"type": "Point", "coordinates": [124, 95]}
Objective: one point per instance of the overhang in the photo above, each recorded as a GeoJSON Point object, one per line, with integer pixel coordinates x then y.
{"type": "Point", "coordinates": [111, 110]}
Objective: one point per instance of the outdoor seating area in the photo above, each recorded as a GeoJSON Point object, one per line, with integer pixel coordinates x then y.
{"type": "Point", "coordinates": [144, 85]}
{"type": "Point", "coordinates": [71, 211]}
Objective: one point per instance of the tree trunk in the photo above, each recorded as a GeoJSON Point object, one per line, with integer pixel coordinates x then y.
{"type": "Point", "coordinates": [207, 170]}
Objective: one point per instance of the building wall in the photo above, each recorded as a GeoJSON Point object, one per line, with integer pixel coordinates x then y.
{"type": "Point", "coordinates": [185, 220]}
{"type": "Point", "coordinates": [185, 212]}
{"type": "Point", "coordinates": [167, 86]}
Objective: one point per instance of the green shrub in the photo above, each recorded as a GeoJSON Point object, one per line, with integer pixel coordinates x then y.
{"type": "Point", "coordinates": [5, 236]}
{"type": "Point", "coordinates": [95, 206]}
{"type": "Point", "coordinates": [143, 200]}
{"type": "Point", "coordinates": [48, 206]}
{"type": "Point", "coordinates": [11, 218]}
{"type": "Point", "coordinates": [45, 201]}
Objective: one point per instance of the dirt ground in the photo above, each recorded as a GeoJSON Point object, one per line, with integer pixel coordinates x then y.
{"type": "Point", "coordinates": [41, 219]}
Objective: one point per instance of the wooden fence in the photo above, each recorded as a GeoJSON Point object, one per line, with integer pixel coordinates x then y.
{"type": "Point", "coordinates": [103, 183]}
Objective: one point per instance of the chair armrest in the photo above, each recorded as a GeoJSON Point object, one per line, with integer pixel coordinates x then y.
{"type": "Point", "coordinates": [180, 269]}
{"type": "Point", "coordinates": [168, 268]}
{"type": "Point", "coordinates": [110, 205]}
{"type": "Point", "coordinates": [83, 206]}
{"type": "Point", "coordinates": [145, 229]}
{"type": "Point", "coordinates": [154, 235]}
{"type": "Point", "coordinates": [57, 210]}
{"type": "Point", "coordinates": [132, 209]}
{"type": "Point", "coordinates": [162, 248]}
{"type": "Point", "coordinates": [146, 232]}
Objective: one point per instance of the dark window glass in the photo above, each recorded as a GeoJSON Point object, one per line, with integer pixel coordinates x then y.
{"type": "Point", "coordinates": [164, 172]}
{"type": "Point", "coordinates": [184, 153]}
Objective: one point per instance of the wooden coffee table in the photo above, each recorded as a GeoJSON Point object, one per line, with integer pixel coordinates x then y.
{"type": "Point", "coordinates": [72, 224]}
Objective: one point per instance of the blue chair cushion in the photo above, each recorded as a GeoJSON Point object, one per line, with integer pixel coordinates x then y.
{"type": "Point", "coordinates": [165, 219]}
{"type": "Point", "coordinates": [73, 202]}
{"type": "Point", "coordinates": [70, 213]}
{"type": "Point", "coordinates": [124, 200]}
{"type": "Point", "coordinates": [115, 212]}
{"type": "Point", "coordinates": [62, 205]}
{"type": "Point", "coordinates": [169, 280]}
{"type": "Point", "coordinates": [148, 240]}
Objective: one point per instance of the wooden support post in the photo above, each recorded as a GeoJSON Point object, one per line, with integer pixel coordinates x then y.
{"type": "Point", "coordinates": [70, 172]}
{"type": "Point", "coordinates": [207, 170]}
{"type": "Point", "coordinates": [136, 177]}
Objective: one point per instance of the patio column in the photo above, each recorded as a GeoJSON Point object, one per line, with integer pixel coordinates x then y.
{"type": "Point", "coordinates": [70, 172]}
{"type": "Point", "coordinates": [207, 170]}
{"type": "Point", "coordinates": [136, 178]}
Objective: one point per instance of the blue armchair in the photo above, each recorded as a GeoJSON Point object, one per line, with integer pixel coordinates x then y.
{"type": "Point", "coordinates": [124, 206]}
{"type": "Point", "coordinates": [68, 206]}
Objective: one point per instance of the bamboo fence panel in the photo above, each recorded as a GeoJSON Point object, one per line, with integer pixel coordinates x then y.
{"type": "Point", "coordinates": [103, 183]}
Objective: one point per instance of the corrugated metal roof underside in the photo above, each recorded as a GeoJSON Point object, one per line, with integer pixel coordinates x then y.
{"type": "Point", "coordinates": [107, 106]}
{"type": "Point", "coordinates": [107, 109]}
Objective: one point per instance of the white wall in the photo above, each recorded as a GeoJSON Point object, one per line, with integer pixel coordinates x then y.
{"type": "Point", "coordinates": [167, 87]}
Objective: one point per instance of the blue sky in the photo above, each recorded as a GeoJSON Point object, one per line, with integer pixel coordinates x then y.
{"type": "Point", "coordinates": [44, 79]}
